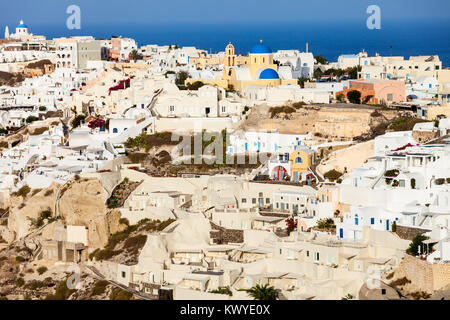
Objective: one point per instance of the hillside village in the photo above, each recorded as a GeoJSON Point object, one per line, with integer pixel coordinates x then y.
{"type": "Point", "coordinates": [174, 173]}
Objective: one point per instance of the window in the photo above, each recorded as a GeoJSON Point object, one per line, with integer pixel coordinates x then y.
{"type": "Point", "coordinates": [267, 200]}
{"type": "Point", "coordinates": [307, 253]}
{"type": "Point", "coordinates": [244, 200]}
{"type": "Point", "coordinates": [316, 256]}
{"type": "Point", "coordinates": [171, 108]}
{"type": "Point", "coordinates": [254, 201]}
{"type": "Point", "coordinates": [390, 97]}
{"type": "Point", "coordinates": [115, 130]}
{"type": "Point", "coordinates": [123, 274]}
{"type": "Point", "coordinates": [298, 160]}
{"type": "Point", "coordinates": [372, 220]}
{"type": "Point", "coordinates": [224, 109]}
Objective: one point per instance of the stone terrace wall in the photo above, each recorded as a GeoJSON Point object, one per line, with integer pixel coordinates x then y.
{"type": "Point", "coordinates": [425, 136]}
{"type": "Point", "coordinates": [429, 277]}
{"type": "Point", "coordinates": [221, 235]}
{"type": "Point", "coordinates": [408, 233]}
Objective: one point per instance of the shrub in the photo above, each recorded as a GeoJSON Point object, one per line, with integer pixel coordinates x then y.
{"type": "Point", "coordinates": [354, 96]}
{"type": "Point", "coordinates": [48, 193]}
{"type": "Point", "coordinates": [326, 224]}
{"type": "Point", "coordinates": [137, 157]}
{"type": "Point", "coordinates": [332, 175]}
{"type": "Point", "coordinates": [43, 215]}
{"type": "Point", "coordinates": [395, 183]}
{"type": "Point", "coordinates": [42, 270]}
{"type": "Point", "coordinates": [277, 110]}
{"type": "Point", "coordinates": [61, 292]}
{"type": "Point", "coordinates": [376, 113]}
{"type": "Point", "coordinates": [77, 120]}
{"type": "Point", "coordinates": [447, 180]}
{"type": "Point", "coordinates": [394, 227]}
{"type": "Point", "coordinates": [390, 276]}
{"type": "Point", "coordinates": [31, 119]}
{"type": "Point", "coordinates": [134, 244]}
{"type": "Point", "coordinates": [35, 191]}
{"type": "Point", "coordinates": [413, 183]}
{"type": "Point", "coordinates": [20, 259]}
{"type": "Point", "coordinates": [20, 282]}
{"type": "Point", "coordinates": [124, 221]}
{"type": "Point", "coordinates": [39, 131]}
{"type": "Point", "coordinates": [439, 181]}
{"type": "Point", "coordinates": [225, 290]}
{"type": "Point", "coordinates": [22, 191]}
{"type": "Point", "coordinates": [298, 105]}
{"type": "Point", "coordinates": [99, 287]}
{"type": "Point", "coordinates": [42, 108]}
{"type": "Point", "coordinates": [392, 173]}
{"type": "Point", "coordinates": [165, 224]}
{"type": "Point", "coordinates": [420, 295]}
{"type": "Point", "coordinates": [195, 85]}
{"type": "Point", "coordinates": [405, 123]}
{"type": "Point", "coordinates": [400, 282]}
{"type": "Point", "coordinates": [36, 284]}
{"type": "Point", "coordinates": [120, 294]}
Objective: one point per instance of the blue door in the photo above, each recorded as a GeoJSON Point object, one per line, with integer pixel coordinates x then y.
{"type": "Point", "coordinates": [356, 221]}
{"type": "Point", "coordinates": [308, 180]}
{"type": "Point", "coordinates": [387, 225]}
{"type": "Point", "coordinates": [246, 146]}
{"type": "Point", "coordinates": [296, 176]}
{"type": "Point", "coordinates": [259, 146]}
{"type": "Point", "coordinates": [341, 233]}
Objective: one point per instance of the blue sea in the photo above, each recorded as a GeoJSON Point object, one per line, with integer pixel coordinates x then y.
{"type": "Point", "coordinates": [330, 39]}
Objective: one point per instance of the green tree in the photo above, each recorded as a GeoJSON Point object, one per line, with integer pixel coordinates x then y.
{"type": "Point", "coordinates": [321, 59]}
{"type": "Point", "coordinates": [195, 85]}
{"type": "Point", "coordinates": [31, 119]}
{"type": "Point", "coordinates": [181, 78]}
{"type": "Point", "coordinates": [415, 244]}
{"type": "Point", "coordinates": [301, 82]}
{"type": "Point", "coordinates": [354, 96]}
{"type": "Point", "coordinates": [265, 292]}
{"type": "Point", "coordinates": [135, 55]}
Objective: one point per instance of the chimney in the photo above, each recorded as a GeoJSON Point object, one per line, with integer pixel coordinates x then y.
{"type": "Point", "coordinates": [307, 47]}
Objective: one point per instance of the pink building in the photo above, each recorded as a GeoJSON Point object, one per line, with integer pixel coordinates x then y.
{"type": "Point", "coordinates": [375, 91]}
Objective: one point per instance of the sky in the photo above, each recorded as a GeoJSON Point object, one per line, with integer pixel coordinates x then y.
{"type": "Point", "coordinates": [148, 12]}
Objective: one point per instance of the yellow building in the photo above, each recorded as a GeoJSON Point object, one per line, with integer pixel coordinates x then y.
{"type": "Point", "coordinates": [443, 109]}
{"type": "Point", "coordinates": [302, 159]}
{"type": "Point", "coordinates": [259, 70]}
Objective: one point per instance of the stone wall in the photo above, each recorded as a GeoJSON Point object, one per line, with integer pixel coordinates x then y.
{"type": "Point", "coordinates": [429, 277]}
{"type": "Point", "coordinates": [409, 233]}
{"type": "Point", "coordinates": [221, 235]}
{"type": "Point", "coordinates": [425, 136]}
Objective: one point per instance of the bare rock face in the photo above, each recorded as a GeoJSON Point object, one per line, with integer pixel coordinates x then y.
{"type": "Point", "coordinates": [79, 202]}
{"type": "Point", "coordinates": [23, 209]}
{"type": "Point", "coordinates": [83, 204]}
